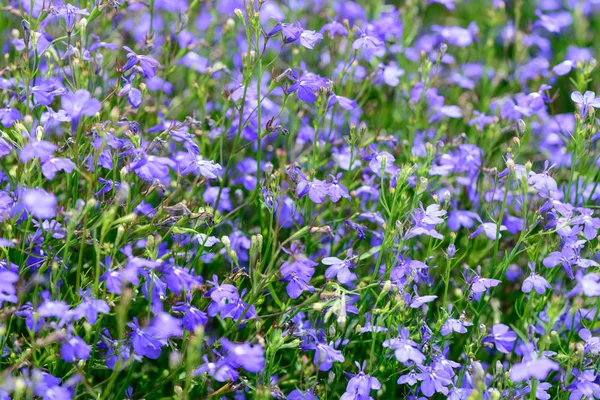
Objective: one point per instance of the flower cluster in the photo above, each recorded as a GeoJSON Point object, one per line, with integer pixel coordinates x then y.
{"type": "Point", "coordinates": [299, 199]}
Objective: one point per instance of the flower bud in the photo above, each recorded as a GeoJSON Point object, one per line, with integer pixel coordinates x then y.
{"type": "Point", "coordinates": [422, 185]}
{"type": "Point", "coordinates": [521, 127]}
{"type": "Point", "coordinates": [442, 49]}
{"type": "Point", "coordinates": [451, 250]}
{"type": "Point", "coordinates": [510, 164]}
{"type": "Point", "coordinates": [447, 197]}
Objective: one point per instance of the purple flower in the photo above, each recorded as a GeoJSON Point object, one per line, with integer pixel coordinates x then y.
{"type": "Point", "coordinates": [52, 165]}
{"type": "Point", "coordinates": [587, 100]}
{"type": "Point", "coordinates": [90, 308]}
{"type": "Point", "coordinates": [563, 68]}
{"type": "Point", "coordinates": [382, 163]}
{"type": "Point", "coordinates": [81, 103]}
{"type": "Point", "coordinates": [244, 355]}
{"type": "Point", "coordinates": [9, 116]}
{"type": "Point", "coordinates": [316, 189]}
{"type": "Point", "coordinates": [56, 309]}
{"type": "Point", "coordinates": [8, 292]}
{"type": "Point", "coordinates": [37, 149]}
{"type": "Point", "coordinates": [455, 325]}
{"type": "Point", "coordinates": [424, 222]}
{"type": "Point", "coordinates": [337, 190]}
{"type": "Point", "coordinates": [144, 343]}
{"type": "Point", "coordinates": [433, 380]}
{"type": "Point", "coordinates": [367, 42]}
{"type": "Point", "coordinates": [306, 86]}
{"type": "Point", "coordinates": [340, 268]}
{"type": "Point", "coordinates": [490, 229]}
{"type": "Point", "coordinates": [325, 354]}
{"type": "Point", "coordinates": [39, 203]}
{"type": "Point", "coordinates": [535, 281]}
{"type": "Point", "coordinates": [68, 12]}
{"type": "Point", "coordinates": [537, 368]}
{"type": "Point", "coordinates": [405, 349]}
{"type": "Point", "coordinates": [194, 61]}
{"type": "Point", "coordinates": [206, 168]}
{"type": "Point", "coordinates": [308, 39]}
{"type": "Point", "coordinates": [74, 349]}
{"type": "Point", "coordinates": [334, 28]}
{"type": "Point", "coordinates": [301, 395]}
{"type": "Point", "coordinates": [590, 224]}
{"type": "Point", "coordinates": [220, 370]}
{"type": "Point", "coordinates": [360, 385]}
{"type": "Point", "coordinates": [192, 317]}
{"type": "Point", "coordinates": [147, 63]}
{"type": "Point", "coordinates": [501, 336]}
{"type": "Point", "coordinates": [480, 120]}
{"type": "Point", "coordinates": [585, 386]}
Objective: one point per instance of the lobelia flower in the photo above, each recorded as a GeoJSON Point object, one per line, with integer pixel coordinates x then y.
{"type": "Point", "coordinates": [250, 357]}
{"type": "Point", "coordinates": [53, 164]}
{"type": "Point", "coordinates": [301, 395]}
{"type": "Point", "coordinates": [9, 116]}
{"type": "Point", "coordinates": [367, 42]}
{"type": "Point", "coordinates": [220, 370]}
{"type": "Point", "coordinates": [535, 281]}
{"type": "Point", "coordinates": [532, 366]}
{"type": "Point", "coordinates": [308, 38]}
{"type": "Point", "coordinates": [325, 354]}
{"type": "Point", "coordinates": [144, 343]}
{"type": "Point", "coordinates": [592, 343]}
{"type": "Point", "coordinates": [502, 337]}
{"type": "Point", "coordinates": [340, 268]}
{"type": "Point", "coordinates": [585, 386]}
{"type": "Point", "coordinates": [90, 307]}
{"type": "Point", "coordinates": [74, 349]}
{"type": "Point", "coordinates": [206, 168]}
{"type": "Point", "coordinates": [590, 224]}
{"type": "Point", "coordinates": [192, 317]}
{"type": "Point", "coordinates": [79, 104]}
{"type": "Point", "coordinates": [480, 120]}
{"type": "Point", "coordinates": [405, 349]}
{"type": "Point", "coordinates": [540, 390]}
{"type": "Point", "coordinates": [8, 292]}
{"type": "Point", "coordinates": [334, 28]}
{"type": "Point", "coordinates": [317, 190]}
{"type": "Point", "coordinates": [424, 222]}
{"type": "Point", "coordinates": [68, 12]}
{"type": "Point", "coordinates": [39, 149]}
{"type": "Point", "coordinates": [306, 86]}
{"type": "Point", "coordinates": [455, 325]}
{"type": "Point", "coordinates": [433, 380]}
{"type": "Point", "coordinates": [56, 309]}
{"type": "Point", "coordinates": [360, 385]}
{"type": "Point", "coordinates": [588, 284]}
{"type": "Point", "coordinates": [134, 96]}
{"type": "Point", "coordinates": [39, 203]}
{"type": "Point", "coordinates": [490, 229]}
{"type": "Point", "coordinates": [147, 63]}
{"type": "Point", "coordinates": [568, 257]}
{"type": "Point", "coordinates": [587, 100]}
{"type": "Point", "coordinates": [382, 163]}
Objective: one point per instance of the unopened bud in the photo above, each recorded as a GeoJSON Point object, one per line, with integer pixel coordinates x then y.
{"type": "Point", "coordinates": [422, 185]}
{"type": "Point", "coordinates": [269, 169]}
{"type": "Point", "coordinates": [521, 127]}
{"type": "Point", "coordinates": [447, 196]}
{"type": "Point", "coordinates": [451, 252]}
{"type": "Point", "coordinates": [510, 164]}
{"type": "Point", "coordinates": [39, 132]}
{"type": "Point", "coordinates": [442, 49]}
